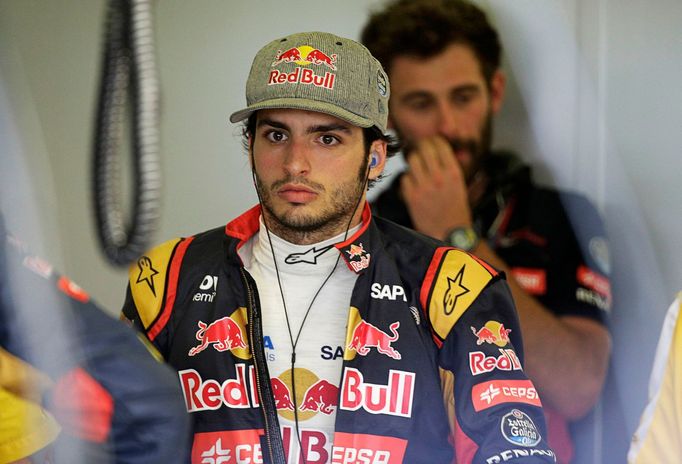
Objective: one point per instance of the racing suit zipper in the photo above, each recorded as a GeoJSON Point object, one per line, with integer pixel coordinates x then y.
{"type": "Point", "coordinates": [273, 436]}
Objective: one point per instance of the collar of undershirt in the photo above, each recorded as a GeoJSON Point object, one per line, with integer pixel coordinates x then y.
{"type": "Point", "coordinates": [297, 259]}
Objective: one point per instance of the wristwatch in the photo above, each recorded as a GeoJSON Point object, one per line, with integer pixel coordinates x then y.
{"type": "Point", "coordinates": [464, 238]}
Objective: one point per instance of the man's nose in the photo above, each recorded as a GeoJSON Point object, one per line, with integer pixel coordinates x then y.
{"type": "Point", "coordinates": [447, 123]}
{"type": "Point", "coordinates": [297, 158]}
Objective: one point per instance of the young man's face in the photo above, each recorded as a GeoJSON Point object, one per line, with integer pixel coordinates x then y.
{"type": "Point", "coordinates": [445, 95]}
{"type": "Point", "coordinates": [311, 171]}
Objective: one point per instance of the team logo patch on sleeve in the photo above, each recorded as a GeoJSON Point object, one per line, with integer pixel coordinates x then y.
{"type": "Point", "coordinates": [147, 279]}
{"type": "Point", "coordinates": [457, 283]}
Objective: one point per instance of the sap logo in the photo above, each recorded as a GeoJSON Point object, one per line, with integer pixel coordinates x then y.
{"type": "Point", "coordinates": [209, 283]}
{"type": "Point", "coordinates": [392, 292]}
{"type": "Point", "coordinates": [329, 352]}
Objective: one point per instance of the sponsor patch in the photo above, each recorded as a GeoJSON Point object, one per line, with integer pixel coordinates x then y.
{"type": "Point", "coordinates": [366, 336]}
{"type": "Point", "coordinates": [304, 56]}
{"type": "Point", "coordinates": [593, 298]}
{"type": "Point", "coordinates": [593, 281]}
{"type": "Point", "coordinates": [492, 332]}
{"type": "Point", "coordinates": [519, 429]}
{"type": "Point", "coordinates": [534, 281]}
{"type": "Point", "coordinates": [480, 363]}
{"type": "Point", "coordinates": [393, 399]}
{"type": "Point", "coordinates": [207, 289]}
{"type": "Point", "coordinates": [358, 258]}
{"type": "Point", "coordinates": [70, 288]}
{"type": "Point", "coordinates": [209, 394]}
{"type": "Point", "coordinates": [387, 292]}
{"type": "Point", "coordinates": [225, 334]}
{"type": "Point", "coordinates": [227, 447]}
{"type": "Point", "coordinates": [514, 454]}
{"type": "Point", "coordinates": [457, 280]}
{"type": "Point", "coordinates": [488, 394]}
{"type": "Point", "coordinates": [147, 277]}
{"type": "Point", "coordinates": [363, 448]}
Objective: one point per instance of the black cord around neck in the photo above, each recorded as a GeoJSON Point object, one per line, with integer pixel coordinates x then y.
{"type": "Point", "coordinates": [294, 342]}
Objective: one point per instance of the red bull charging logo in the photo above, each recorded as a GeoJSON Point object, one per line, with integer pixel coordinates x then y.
{"type": "Point", "coordinates": [313, 395]}
{"type": "Point", "coordinates": [224, 334]}
{"type": "Point", "coordinates": [361, 337]}
{"type": "Point", "coordinates": [304, 56]}
{"type": "Point", "coordinates": [492, 332]}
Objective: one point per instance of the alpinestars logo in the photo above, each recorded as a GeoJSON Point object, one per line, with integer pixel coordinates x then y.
{"type": "Point", "coordinates": [310, 256]}
{"type": "Point", "coordinates": [209, 284]}
{"type": "Point", "coordinates": [147, 272]}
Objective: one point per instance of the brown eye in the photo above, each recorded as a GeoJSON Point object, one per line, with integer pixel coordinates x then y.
{"type": "Point", "coordinates": [327, 139]}
{"type": "Point", "coordinates": [275, 136]}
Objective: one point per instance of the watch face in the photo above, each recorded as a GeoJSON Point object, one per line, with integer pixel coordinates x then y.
{"type": "Point", "coordinates": [464, 238]}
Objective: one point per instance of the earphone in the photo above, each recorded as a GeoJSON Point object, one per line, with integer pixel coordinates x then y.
{"type": "Point", "coordinates": [375, 160]}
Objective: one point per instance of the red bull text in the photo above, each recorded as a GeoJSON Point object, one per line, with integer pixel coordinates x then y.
{"type": "Point", "coordinates": [394, 399]}
{"type": "Point", "coordinates": [302, 76]}
{"type": "Point", "coordinates": [479, 363]}
{"type": "Point", "coordinates": [205, 395]}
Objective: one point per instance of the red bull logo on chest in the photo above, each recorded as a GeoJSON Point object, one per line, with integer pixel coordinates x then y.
{"type": "Point", "coordinates": [313, 395]}
{"type": "Point", "coordinates": [225, 334]}
{"type": "Point", "coordinates": [303, 56]}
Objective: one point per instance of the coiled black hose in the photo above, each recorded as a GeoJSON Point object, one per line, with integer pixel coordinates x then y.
{"type": "Point", "coordinates": [128, 75]}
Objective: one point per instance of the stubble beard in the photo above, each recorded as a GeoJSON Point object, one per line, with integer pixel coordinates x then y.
{"type": "Point", "coordinates": [313, 227]}
{"type": "Point", "coordinates": [478, 149]}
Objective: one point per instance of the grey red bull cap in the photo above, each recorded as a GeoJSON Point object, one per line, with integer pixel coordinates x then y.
{"type": "Point", "coordinates": [318, 71]}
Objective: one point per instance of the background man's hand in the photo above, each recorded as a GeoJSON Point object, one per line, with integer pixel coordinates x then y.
{"type": "Point", "coordinates": [434, 188]}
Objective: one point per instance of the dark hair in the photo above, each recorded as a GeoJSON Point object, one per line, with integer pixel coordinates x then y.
{"type": "Point", "coordinates": [425, 28]}
{"type": "Point", "coordinates": [369, 135]}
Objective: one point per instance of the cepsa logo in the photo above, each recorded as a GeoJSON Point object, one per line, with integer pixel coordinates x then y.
{"type": "Point", "coordinates": [225, 334]}
{"type": "Point", "coordinates": [488, 394]}
{"type": "Point", "coordinates": [243, 446]}
{"type": "Point", "coordinates": [303, 56]}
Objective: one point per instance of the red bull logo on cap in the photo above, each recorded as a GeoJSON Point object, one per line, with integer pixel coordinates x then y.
{"type": "Point", "coordinates": [492, 332]}
{"type": "Point", "coordinates": [224, 334]}
{"type": "Point", "coordinates": [303, 56]}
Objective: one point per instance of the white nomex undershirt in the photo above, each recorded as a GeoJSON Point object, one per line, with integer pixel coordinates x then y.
{"type": "Point", "coordinates": [319, 350]}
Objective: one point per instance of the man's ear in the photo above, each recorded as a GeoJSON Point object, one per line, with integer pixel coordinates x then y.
{"type": "Point", "coordinates": [498, 87]}
{"type": "Point", "coordinates": [377, 158]}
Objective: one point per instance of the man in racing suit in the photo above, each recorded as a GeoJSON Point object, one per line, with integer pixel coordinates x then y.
{"type": "Point", "coordinates": [446, 88]}
{"type": "Point", "coordinates": [400, 350]}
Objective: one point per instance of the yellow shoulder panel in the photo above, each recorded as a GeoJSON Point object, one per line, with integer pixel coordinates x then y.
{"type": "Point", "coordinates": [148, 277]}
{"type": "Point", "coordinates": [458, 282]}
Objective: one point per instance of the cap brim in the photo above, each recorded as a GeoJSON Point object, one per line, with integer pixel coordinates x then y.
{"type": "Point", "coordinates": [303, 104]}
